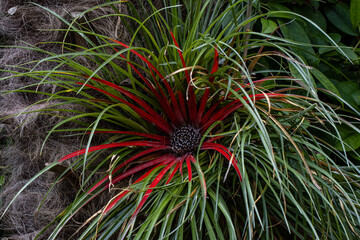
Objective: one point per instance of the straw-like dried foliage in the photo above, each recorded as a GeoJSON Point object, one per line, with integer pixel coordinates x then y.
{"type": "Point", "coordinates": [23, 23]}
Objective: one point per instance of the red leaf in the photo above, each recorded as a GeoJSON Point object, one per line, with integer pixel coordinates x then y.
{"type": "Point", "coordinates": [181, 163]}
{"type": "Point", "coordinates": [140, 56]}
{"type": "Point", "coordinates": [150, 86]}
{"type": "Point", "coordinates": [152, 68]}
{"type": "Point", "coordinates": [208, 115]}
{"type": "Point", "coordinates": [192, 159]}
{"type": "Point", "coordinates": [181, 57]}
{"type": "Point", "coordinates": [182, 105]}
{"type": "Point", "coordinates": [145, 175]}
{"type": "Point", "coordinates": [116, 200]}
{"type": "Point", "coordinates": [207, 90]}
{"type": "Point", "coordinates": [133, 158]}
{"type": "Point", "coordinates": [235, 104]}
{"type": "Point", "coordinates": [147, 135]}
{"type": "Point", "coordinates": [192, 106]}
{"type": "Point", "coordinates": [159, 122]}
{"type": "Point", "coordinates": [203, 105]}
{"type": "Point", "coordinates": [139, 101]}
{"type": "Point", "coordinates": [188, 164]}
{"type": "Point", "coordinates": [225, 152]}
{"type": "Point", "coordinates": [215, 65]}
{"type": "Point", "coordinates": [152, 185]}
{"type": "Point", "coordinates": [173, 172]}
{"type": "Point", "coordinates": [112, 145]}
{"type": "Point", "coordinates": [165, 103]}
{"type": "Point", "coordinates": [160, 97]}
{"type": "Point", "coordinates": [160, 160]}
{"type": "Point", "coordinates": [192, 101]}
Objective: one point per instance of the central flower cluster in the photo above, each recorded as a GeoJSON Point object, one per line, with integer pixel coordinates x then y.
{"type": "Point", "coordinates": [185, 139]}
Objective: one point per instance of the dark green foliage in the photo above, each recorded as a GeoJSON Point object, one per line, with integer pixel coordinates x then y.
{"type": "Point", "coordinates": [274, 123]}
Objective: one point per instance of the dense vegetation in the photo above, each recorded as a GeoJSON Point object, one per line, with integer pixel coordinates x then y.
{"type": "Point", "coordinates": [204, 120]}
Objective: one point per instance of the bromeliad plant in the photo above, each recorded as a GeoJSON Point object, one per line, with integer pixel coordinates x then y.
{"type": "Point", "coordinates": [241, 111]}
{"type": "Point", "coordinates": [181, 128]}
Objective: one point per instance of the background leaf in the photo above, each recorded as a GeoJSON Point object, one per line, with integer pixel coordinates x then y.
{"type": "Point", "coordinates": [351, 138]}
{"type": "Point", "coordinates": [355, 12]}
{"type": "Point", "coordinates": [350, 92]}
{"type": "Point", "coordinates": [339, 16]}
{"type": "Point", "coordinates": [268, 26]}
{"type": "Point", "coordinates": [325, 81]}
{"type": "Point", "coordinates": [296, 32]}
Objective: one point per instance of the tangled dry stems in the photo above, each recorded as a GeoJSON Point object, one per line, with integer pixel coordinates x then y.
{"type": "Point", "coordinates": [32, 24]}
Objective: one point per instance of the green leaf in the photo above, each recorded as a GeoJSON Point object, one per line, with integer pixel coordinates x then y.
{"type": "Point", "coordinates": [349, 52]}
{"type": "Point", "coordinates": [268, 26]}
{"type": "Point", "coordinates": [349, 91]}
{"type": "Point", "coordinates": [302, 76]}
{"type": "Point", "coordinates": [325, 81]}
{"type": "Point", "coordinates": [350, 138]}
{"type": "Point", "coordinates": [314, 15]}
{"type": "Point", "coordinates": [336, 37]}
{"type": "Point", "coordinates": [355, 12]}
{"type": "Point", "coordinates": [296, 32]}
{"type": "Point", "coordinates": [277, 7]}
{"type": "Point", "coordinates": [339, 16]}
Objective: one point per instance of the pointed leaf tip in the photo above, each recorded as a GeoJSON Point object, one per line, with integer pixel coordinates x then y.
{"type": "Point", "coordinates": [216, 61]}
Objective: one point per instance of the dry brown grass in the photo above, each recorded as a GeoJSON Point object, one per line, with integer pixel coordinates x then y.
{"type": "Point", "coordinates": [22, 158]}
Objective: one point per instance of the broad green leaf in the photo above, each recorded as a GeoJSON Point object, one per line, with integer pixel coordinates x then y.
{"type": "Point", "coordinates": [336, 38]}
{"type": "Point", "coordinates": [296, 32]}
{"type": "Point", "coordinates": [339, 16]}
{"type": "Point", "coordinates": [355, 12]}
{"type": "Point", "coordinates": [318, 18]}
{"type": "Point", "coordinates": [301, 75]}
{"type": "Point", "coordinates": [349, 52]}
{"type": "Point", "coordinates": [349, 91]}
{"type": "Point", "coordinates": [325, 81]}
{"type": "Point", "coordinates": [277, 7]}
{"type": "Point", "coordinates": [350, 138]}
{"type": "Point", "coordinates": [314, 15]}
{"type": "Point", "coordinates": [268, 26]}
